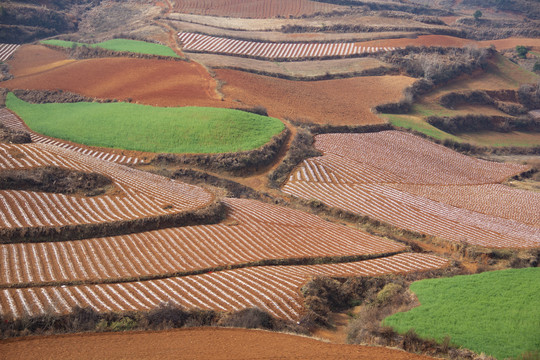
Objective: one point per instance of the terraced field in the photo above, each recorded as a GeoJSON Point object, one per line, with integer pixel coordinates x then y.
{"type": "Point", "coordinates": [325, 102]}
{"type": "Point", "coordinates": [145, 81]}
{"type": "Point", "coordinates": [253, 8]}
{"type": "Point", "coordinates": [11, 121]}
{"type": "Point", "coordinates": [42, 277]}
{"type": "Point", "coordinates": [253, 232]}
{"type": "Point", "coordinates": [142, 194]}
{"type": "Point", "coordinates": [6, 50]}
{"type": "Point", "coordinates": [404, 180]}
{"type": "Point", "coordinates": [275, 289]}
{"type": "Point", "coordinates": [212, 44]}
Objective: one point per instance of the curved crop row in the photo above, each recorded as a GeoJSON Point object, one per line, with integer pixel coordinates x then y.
{"type": "Point", "coordinates": [141, 195]}
{"type": "Point", "coordinates": [254, 232]}
{"type": "Point", "coordinates": [413, 159]}
{"type": "Point", "coordinates": [6, 50]}
{"type": "Point", "coordinates": [213, 44]}
{"type": "Point", "coordinates": [11, 121]}
{"type": "Point", "coordinates": [371, 174]}
{"type": "Point", "coordinates": [274, 289]}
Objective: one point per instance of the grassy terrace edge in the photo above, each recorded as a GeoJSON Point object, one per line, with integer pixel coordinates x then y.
{"type": "Point", "coordinates": [493, 312]}
{"type": "Point", "coordinates": [147, 128]}
{"type": "Point", "coordinates": [121, 45]}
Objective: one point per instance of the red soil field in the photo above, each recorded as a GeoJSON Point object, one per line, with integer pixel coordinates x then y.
{"type": "Point", "coordinates": [151, 82]}
{"type": "Point", "coordinates": [30, 59]}
{"type": "Point", "coordinates": [446, 40]}
{"type": "Point", "coordinates": [194, 343]}
{"type": "Point", "coordinates": [370, 174]}
{"type": "Point", "coordinates": [272, 288]}
{"type": "Point", "coordinates": [142, 194]}
{"type": "Point", "coordinates": [253, 8]}
{"type": "Point", "coordinates": [343, 101]}
{"type": "Point", "coordinates": [253, 231]}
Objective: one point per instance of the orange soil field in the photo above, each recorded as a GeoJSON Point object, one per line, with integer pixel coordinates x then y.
{"type": "Point", "coordinates": [343, 101]}
{"type": "Point", "coordinates": [195, 343]}
{"type": "Point", "coordinates": [292, 68]}
{"type": "Point", "coordinates": [140, 195]}
{"type": "Point", "coordinates": [445, 40]}
{"type": "Point", "coordinates": [151, 82]}
{"type": "Point", "coordinates": [31, 59]}
{"type": "Point", "coordinates": [275, 289]}
{"type": "Point", "coordinates": [371, 174]}
{"type": "Point", "coordinates": [253, 8]}
{"type": "Point", "coordinates": [253, 231]}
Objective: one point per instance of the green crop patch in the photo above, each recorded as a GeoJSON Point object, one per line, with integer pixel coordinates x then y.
{"type": "Point", "coordinates": [134, 46]}
{"type": "Point", "coordinates": [496, 313]}
{"type": "Point", "coordinates": [147, 128]}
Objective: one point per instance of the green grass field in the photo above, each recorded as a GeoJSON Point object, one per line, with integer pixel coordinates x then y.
{"type": "Point", "coordinates": [417, 123]}
{"type": "Point", "coordinates": [134, 46]}
{"type": "Point", "coordinates": [497, 313]}
{"type": "Point", "coordinates": [148, 128]}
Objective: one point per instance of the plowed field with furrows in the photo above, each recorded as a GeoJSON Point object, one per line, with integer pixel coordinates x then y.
{"type": "Point", "coordinates": [275, 289]}
{"type": "Point", "coordinates": [212, 44]}
{"type": "Point", "coordinates": [370, 174]}
{"type": "Point", "coordinates": [325, 102]}
{"type": "Point", "coordinates": [413, 159]}
{"type": "Point", "coordinates": [254, 231]}
{"type": "Point", "coordinates": [253, 8]}
{"type": "Point", "coordinates": [519, 205]}
{"type": "Point", "coordinates": [141, 194]}
{"type": "Point", "coordinates": [6, 50]}
{"type": "Point", "coordinates": [11, 121]}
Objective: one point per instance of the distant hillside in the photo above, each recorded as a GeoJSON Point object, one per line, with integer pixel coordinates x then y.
{"type": "Point", "coordinates": [529, 8]}
{"type": "Point", "coordinates": [24, 21]}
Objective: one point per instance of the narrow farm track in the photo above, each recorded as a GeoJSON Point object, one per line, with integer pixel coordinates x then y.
{"type": "Point", "coordinates": [254, 232]}
{"type": "Point", "coordinates": [274, 289]}
{"type": "Point", "coordinates": [142, 194]}
{"type": "Point", "coordinates": [370, 174]}
{"type": "Point", "coordinates": [6, 50]}
{"type": "Point", "coordinates": [267, 50]}
{"type": "Point", "coordinates": [12, 121]}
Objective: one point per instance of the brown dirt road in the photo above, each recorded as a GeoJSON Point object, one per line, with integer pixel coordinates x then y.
{"type": "Point", "coordinates": [196, 343]}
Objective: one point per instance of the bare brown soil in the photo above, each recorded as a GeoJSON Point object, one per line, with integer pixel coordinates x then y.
{"type": "Point", "coordinates": [151, 82]}
{"type": "Point", "coordinates": [32, 59]}
{"type": "Point", "coordinates": [265, 35]}
{"type": "Point", "coordinates": [293, 68]}
{"type": "Point", "coordinates": [197, 343]}
{"type": "Point", "coordinates": [343, 101]}
{"type": "Point", "coordinates": [253, 8]}
{"type": "Point", "coordinates": [445, 40]}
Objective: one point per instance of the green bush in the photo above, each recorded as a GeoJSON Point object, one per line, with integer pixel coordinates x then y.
{"type": "Point", "coordinates": [522, 51]}
{"type": "Point", "coordinates": [123, 324]}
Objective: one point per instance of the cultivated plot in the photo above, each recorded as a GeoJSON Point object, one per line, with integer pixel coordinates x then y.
{"type": "Point", "coordinates": [6, 50]}
{"type": "Point", "coordinates": [142, 194]}
{"type": "Point", "coordinates": [371, 174]}
{"type": "Point", "coordinates": [253, 8]}
{"type": "Point", "coordinates": [254, 232]}
{"type": "Point", "coordinates": [274, 289]}
{"type": "Point", "coordinates": [212, 44]}
{"type": "Point", "coordinates": [11, 121]}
